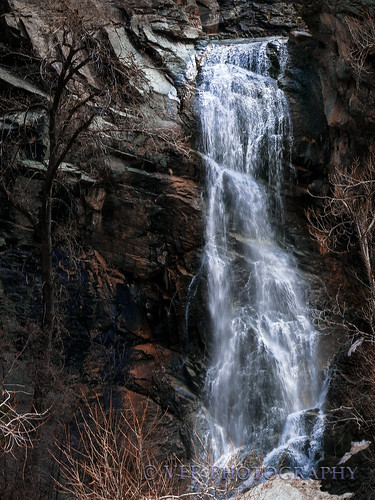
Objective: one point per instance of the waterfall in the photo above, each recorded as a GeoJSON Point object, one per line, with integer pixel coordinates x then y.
{"type": "Point", "coordinates": [262, 388]}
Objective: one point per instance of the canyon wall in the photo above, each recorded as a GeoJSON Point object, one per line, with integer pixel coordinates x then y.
{"type": "Point", "coordinates": [126, 242]}
{"type": "Point", "coordinates": [137, 231]}
{"type": "Point", "coordinates": [343, 33]}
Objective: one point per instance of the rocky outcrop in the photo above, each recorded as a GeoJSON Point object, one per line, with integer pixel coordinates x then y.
{"type": "Point", "coordinates": [245, 18]}
{"type": "Point", "coordinates": [286, 488]}
{"type": "Point", "coordinates": [301, 82]}
{"type": "Point", "coordinates": [348, 90]}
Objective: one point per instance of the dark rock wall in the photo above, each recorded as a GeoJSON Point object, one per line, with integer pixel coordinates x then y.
{"type": "Point", "coordinates": [126, 245]}
{"type": "Point", "coordinates": [247, 18]}
{"type": "Point", "coordinates": [349, 98]}
{"type": "Point", "coordinates": [244, 18]}
{"type": "Point", "coordinates": [348, 94]}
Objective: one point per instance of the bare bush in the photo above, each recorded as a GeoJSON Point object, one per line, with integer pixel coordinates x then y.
{"type": "Point", "coordinates": [362, 33]}
{"type": "Point", "coordinates": [117, 456]}
{"type": "Point", "coordinates": [345, 222]}
{"type": "Point", "coordinates": [113, 449]}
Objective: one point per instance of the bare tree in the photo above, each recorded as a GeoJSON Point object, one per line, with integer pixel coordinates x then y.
{"type": "Point", "coordinates": [92, 101]}
{"type": "Point", "coordinates": [83, 84]}
{"type": "Point", "coordinates": [346, 221]}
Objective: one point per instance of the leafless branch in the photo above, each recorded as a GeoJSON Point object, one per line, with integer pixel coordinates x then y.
{"type": "Point", "coordinates": [362, 33]}
{"type": "Point", "coordinates": [346, 219]}
{"type": "Point", "coordinates": [17, 429]}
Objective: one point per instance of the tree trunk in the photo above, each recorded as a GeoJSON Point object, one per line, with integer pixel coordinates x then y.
{"type": "Point", "coordinates": [42, 374]}
{"type": "Point", "coordinates": [367, 260]}
{"type": "Point", "coordinates": [46, 270]}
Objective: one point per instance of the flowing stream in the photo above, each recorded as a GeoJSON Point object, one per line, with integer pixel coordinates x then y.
{"type": "Point", "coordinates": [263, 387]}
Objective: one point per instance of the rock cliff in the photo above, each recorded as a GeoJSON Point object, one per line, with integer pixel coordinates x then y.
{"type": "Point", "coordinates": [343, 34]}
{"type": "Point", "coordinates": [126, 241]}
{"type": "Point", "coordinates": [348, 90]}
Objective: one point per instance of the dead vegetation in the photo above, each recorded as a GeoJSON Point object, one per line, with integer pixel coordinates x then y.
{"type": "Point", "coordinates": [362, 32]}
{"type": "Point", "coordinates": [344, 222]}
{"type": "Point", "coordinates": [17, 428]}
{"type": "Point", "coordinates": [115, 454]}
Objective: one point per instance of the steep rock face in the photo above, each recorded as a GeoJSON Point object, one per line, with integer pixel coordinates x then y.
{"type": "Point", "coordinates": [311, 146]}
{"type": "Point", "coordinates": [127, 242]}
{"type": "Point", "coordinates": [345, 59]}
{"type": "Point", "coordinates": [143, 202]}
{"type": "Point", "coordinates": [246, 18]}
{"type": "Point", "coordinates": [348, 91]}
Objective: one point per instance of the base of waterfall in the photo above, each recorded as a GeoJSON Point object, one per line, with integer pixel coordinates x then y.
{"type": "Point", "coordinates": [284, 488]}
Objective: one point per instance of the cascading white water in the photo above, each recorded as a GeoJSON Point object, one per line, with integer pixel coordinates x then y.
{"type": "Point", "coordinates": [264, 375]}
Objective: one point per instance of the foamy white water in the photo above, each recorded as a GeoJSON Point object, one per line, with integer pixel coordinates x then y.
{"type": "Point", "coordinates": [262, 389]}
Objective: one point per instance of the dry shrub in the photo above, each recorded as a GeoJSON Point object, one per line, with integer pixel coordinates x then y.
{"type": "Point", "coordinates": [362, 32]}
{"type": "Point", "coordinates": [17, 428]}
{"type": "Point", "coordinates": [344, 222]}
{"type": "Point", "coordinates": [115, 455]}
{"type": "Point", "coordinates": [110, 458]}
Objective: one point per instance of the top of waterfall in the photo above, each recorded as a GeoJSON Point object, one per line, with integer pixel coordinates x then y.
{"type": "Point", "coordinates": [236, 41]}
{"type": "Point", "coordinates": [256, 55]}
